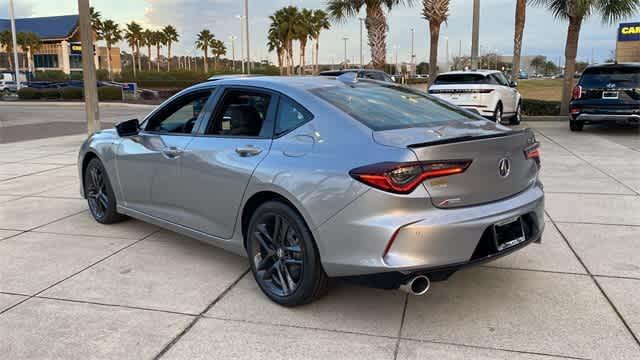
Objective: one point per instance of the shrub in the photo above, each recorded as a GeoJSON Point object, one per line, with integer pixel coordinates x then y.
{"type": "Point", "coordinates": [51, 94]}
{"type": "Point", "coordinates": [72, 93]}
{"type": "Point", "coordinates": [76, 75]}
{"type": "Point", "coordinates": [29, 94]}
{"type": "Point", "coordinates": [534, 107]}
{"type": "Point", "coordinates": [51, 75]}
{"type": "Point", "coordinates": [106, 93]}
{"type": "Point", "coordinates": [102, 75]}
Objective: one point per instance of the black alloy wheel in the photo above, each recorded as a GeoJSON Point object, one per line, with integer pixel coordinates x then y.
{"type": "Point", "coordinates": [99, 194]}
{"type": "Point", "coordinates": [284, 260]}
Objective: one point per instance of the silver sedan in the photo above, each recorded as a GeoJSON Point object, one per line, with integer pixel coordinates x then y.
{"type": "Point", "coordinates": [319, 177]}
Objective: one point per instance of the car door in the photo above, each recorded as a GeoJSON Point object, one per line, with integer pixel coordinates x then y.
{"type": "Point", "coordinates": [148, 164]}
{"type": "Point", "coordinates": [220, 161]}
{"type": "Point", "coordinates": [510, 94]}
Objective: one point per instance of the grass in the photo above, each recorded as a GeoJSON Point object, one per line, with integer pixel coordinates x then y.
{"type": "Point", "coordinates": [541, 89]}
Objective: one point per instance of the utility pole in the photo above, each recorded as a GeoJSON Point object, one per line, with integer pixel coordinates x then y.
{"type": "Point", "coordinates": [446, 38]}
{"type": "Point", "coordinates": [88, 69]}
{"type": "Point", "coordinates": [475, 34]}
{"type": "Point", "coordinates": [16, 64]}
{"type": "Point", "coordinates": [246, 27]}
{"type": "Point", "coordinates": [241, 40]}
{"type": "Point", "coordinates": [233, 52]}
{"type": "Point", "coordinates": [346, 60]}
{"type": "Point", "coordinates": [361, 51]}
{"type": "Point", "coordinates": [413, 55]}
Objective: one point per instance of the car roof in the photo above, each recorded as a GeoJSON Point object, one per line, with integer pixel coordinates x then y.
{"type": "Point", "coordinates": [477, 72]}
{"type": "Point", "coordinates": [342, 71]}
{"type": "Point", "coordinates": [282, 84]}
{"type": "Point", "coordinates": [614, 65]}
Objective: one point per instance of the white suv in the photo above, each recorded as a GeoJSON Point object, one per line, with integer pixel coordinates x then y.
{"type": "Point", "coordinates": [486, 92]}
{"type": "Point", "coordinates": [7, 87]}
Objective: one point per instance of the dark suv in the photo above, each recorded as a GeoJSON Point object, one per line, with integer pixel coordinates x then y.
{"type": "Point", "coordinates": [362, 74]}
{"type": "Point", "coordinates": [609, 92]}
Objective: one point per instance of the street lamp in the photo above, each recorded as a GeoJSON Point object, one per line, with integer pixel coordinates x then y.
{"type": "Point", "coordinates": [233, 51]}
{"type": "Point", "coordinates": [246, 28]}
{"type": "Point", "coordinates": [475, 34]}
{"type": "Point", "coordinates": [241, 18]}
{"type": "Point", "coordinates": [346, 60]}
{"type": "Point", "coordinates": [361, 51]}
{"type": "Point", "coordinates": [12, 15]}
{"type": "Point", "coordinates": [413, 55]}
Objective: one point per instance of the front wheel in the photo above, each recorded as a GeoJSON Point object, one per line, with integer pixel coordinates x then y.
{"type": "Point", "coordinates": [497, 114]}
{"type": "Point", "coordinates": [99, 194]}
{"type": "Point", "coordinates": [284, 260]}
{"type": "Point", "coordinates": [517, 118]}
{"type": "Point", "coordinates": [576, 125]}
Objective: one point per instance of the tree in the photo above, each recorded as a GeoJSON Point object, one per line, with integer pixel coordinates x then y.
{"type": "Point", "coordinates": [538, 62]}
{"type": "Point", "coordinates": [303, 31]}
{"type": "Point", "coordinates": [147, 40]}
{"type": "Point", "coordinates": [274, 42]}
{"type": "Point", "coordinates": [217, 49]}
{"type": "Point", "coordinates": [375, 21]}
{"type": "Point", "coordinates": [111, 34]}
{"type": "Point", "coordinates": [575, 12]}
{"type": "Point", "coordinates": [133, 36]}
{"type": "Point", "coordinates": [171, 36]}
{"type": "Point", "coordinates": [521, 15]}
{"type": "Point", "coordinates": [96, 21]}
{"type": "Point", "coordinates": [29, 42]}
{"type": "Point", "coordinates": [6, 40]}
{"type": "Point", "coordinates": [284, 23]}
{"type": "Point", "coordinates": [158, 40]}
{"type": "Point", "coordinates": [581, 66]}
{"type": "Point", "coordinates": [319, 22]}
{"type": "Point", "coordinates": [435, 12]}
{"type": "Point", "coordinates": [203, 43]}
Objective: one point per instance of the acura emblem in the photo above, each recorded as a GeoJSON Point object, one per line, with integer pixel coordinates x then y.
{"type": "Point", "coordinates": [504, 167]}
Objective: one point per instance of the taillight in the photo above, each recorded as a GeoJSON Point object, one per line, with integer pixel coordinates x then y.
{"type": "Point", "coordinates": [403, 178]}
{"type": "Point", "coordinates": [533, 153]}
{"type": "Point", "coordinates": [577, 92]}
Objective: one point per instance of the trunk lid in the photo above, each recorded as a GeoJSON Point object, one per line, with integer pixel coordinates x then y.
{"type": "Point", "coordinates": [487, 145]}
{"type": "Point", "coordinates": [462, 94]}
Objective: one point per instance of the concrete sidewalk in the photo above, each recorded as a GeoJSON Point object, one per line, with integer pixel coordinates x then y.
{"type": "Point", "coordinates": [71, 288]}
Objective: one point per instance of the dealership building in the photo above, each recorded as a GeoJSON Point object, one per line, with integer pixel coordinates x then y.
{"type": "Point", "coordinates": [59, 47]}
{"type": "Point", "coordinates": [628, 44]}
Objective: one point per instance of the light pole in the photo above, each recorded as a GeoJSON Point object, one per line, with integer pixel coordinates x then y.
{"type": "Point", "coordinates": [233, 51]}
{"type": "Point", "coordinates": [241, 40]}
{"type": "Point", "coordinates": [246, 28]}
{"type": "Point", "coordinates": [88, 68]}
{"type": "Point", "coordinates": [446, 50]}
{"type": "Point", "coordinates": [16, 65]}
{"type": "Point", "coordinates": [346, 60]}
{"type": "Point", "coordinates": [475, 34]}
{"type": "Point", "coordinates": [413, 55]}
{"type": "Point", "coordinates": [361, 51]}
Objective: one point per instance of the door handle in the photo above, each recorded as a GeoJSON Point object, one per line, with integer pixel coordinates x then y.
{"type": "Point", "coordinates": [249, 150]}
{"type": "Point", "coordinates": [172, 152]}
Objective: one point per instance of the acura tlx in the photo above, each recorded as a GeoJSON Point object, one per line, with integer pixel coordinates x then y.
{"type": "Point", "coordinates": [319, 177]}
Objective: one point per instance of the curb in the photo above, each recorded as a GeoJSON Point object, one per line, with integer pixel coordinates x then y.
{"type": "Point", "coordinates": [75, 103]}
{"type": "Point", "coordinates": [544, 118]}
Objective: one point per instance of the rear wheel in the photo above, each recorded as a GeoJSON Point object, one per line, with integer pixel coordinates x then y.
{"type": "Point", "coordinates": [497, 114]}
{"type": "Point", "coordinates": [576, 125]}
{"type": "Point", "coordinates": [284, 260]}
{"type": "Point", "coordinates": [515, 120]}
{"type": "Point", "coordinates": [99, 193]}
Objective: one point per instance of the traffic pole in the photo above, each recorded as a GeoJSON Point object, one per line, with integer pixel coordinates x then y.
{"type": "Point", "coordinates": [88, 69]}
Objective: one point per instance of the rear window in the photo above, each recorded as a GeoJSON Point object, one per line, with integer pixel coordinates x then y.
{"type": "Point", "coordinates": [388, 107]}
{"type": "Point", "coordinates": [453, 79]}
{"type": "Point", "coordinates": [610, 77]}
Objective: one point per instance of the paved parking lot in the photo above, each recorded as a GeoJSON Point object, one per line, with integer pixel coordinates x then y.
{"type": "Point", "coordinates": [73, 289]}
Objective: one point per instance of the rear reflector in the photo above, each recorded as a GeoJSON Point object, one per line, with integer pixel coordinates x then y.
{"type": "Point", "coordinates": [403, 178]}
{"type": "Point", "coordinates": [533, 153]}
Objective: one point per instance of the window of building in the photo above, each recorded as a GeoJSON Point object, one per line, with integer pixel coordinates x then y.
{"type": "Point", "coordinates": [75, 61]}
{"type": "Point", "coordinates": [46, 60]}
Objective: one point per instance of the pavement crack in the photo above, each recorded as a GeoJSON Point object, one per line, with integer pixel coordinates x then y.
{"type": "Point", "coordinates": [399, 337]}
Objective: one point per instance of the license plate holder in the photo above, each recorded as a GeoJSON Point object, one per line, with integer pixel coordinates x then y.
{"type": "Point", "coordinates": [508, 233]}
{"type": "Point", "coordinates": [612, 95]}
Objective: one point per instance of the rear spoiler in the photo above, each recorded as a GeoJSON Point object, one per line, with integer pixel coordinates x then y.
{"type": "Point", "coordinates": [465, 138]}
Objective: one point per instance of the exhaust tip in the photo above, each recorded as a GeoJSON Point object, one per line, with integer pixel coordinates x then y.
{"type": "Point", "coordinates": [418, 285]}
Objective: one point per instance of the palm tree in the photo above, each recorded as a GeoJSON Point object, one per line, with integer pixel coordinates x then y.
{"type": "Point", "coordinates": [521, 13]}
{"type": "Point", "coordinates": [29, 42]}
{"type": "Point", "coordinates": [147, 40]}
{"type": "Point", "coordinates": [111, 34]}
{"type": "Point", "coordinates": [277, 39]}
{"type": "Point", "coordinates": [158, 40]}
{"type": "Point", "coordinates": [6, 40]}
{"type": "Point", "coordinates": [203, 43]}
{"type": "Point", "coordinates": [275, 43]}
{"type": "Point", "coordinates": [288, 20]}
{"type": "Point", "coordinates": [171, 36]}
{"type": "Point", "coordinates": [133, 35]}
{"type": "Point", "coordinates": [435, 12]}
{"type": "Point", "coordinates": [217, 49]}
{"type": "Point", "coordinates": [375, 21]}
{"type": "Point", "coordinates": [576, 11]}
{"type": "Point", "coordinates": [96, 21]}
{"type": "Point", "coordinates": [320, 22]}
{"type": "Point", "coordinates": [303, 31]}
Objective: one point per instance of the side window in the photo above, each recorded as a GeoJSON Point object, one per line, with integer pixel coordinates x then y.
{"type": "Point", "coordinates": [290, 116]}
{"type": "Point", "coordinates": [240, 113]}
{"type": "Point", "coordinates": [502, 80]}
{"type": "Point", "coordinates": [179, 117]}
{"type": "Point", "coordinates": [492, 79]}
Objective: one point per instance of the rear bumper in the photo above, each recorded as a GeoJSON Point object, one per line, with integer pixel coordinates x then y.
{"type": "Point", "coordinates": [616, 117]}
{"type": "Point", "coordinates": [427, 239]}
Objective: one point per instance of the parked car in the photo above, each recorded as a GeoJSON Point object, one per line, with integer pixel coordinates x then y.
{"type": "Point", "coordinates": [523, 75]}
{"type": "Point", "coordinates": [318, 177]}
{"type": "Point", "coordinates": [486, 92]}
{"type": "Point", "coordinates": [362, 74]}
{"type": "Point", "coordinates": [7, 87]}
{"type": "Point", "coordinates": [605, 93]}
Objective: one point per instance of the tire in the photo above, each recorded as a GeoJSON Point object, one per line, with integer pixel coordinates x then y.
{"type": "Point", "coordinates": [497, 114]}
{"type": "Point", "coordinates": [99, 194]}
{"type": "Point", "coordinates": [286, 265]}
{"type": "Point", "coordinates": [517, 118]}
{"type": "Point", "coordinates": [576, 125]}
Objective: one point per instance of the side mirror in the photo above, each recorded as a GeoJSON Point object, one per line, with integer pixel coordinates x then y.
{"type": "Point", "coordinates": [128, 128]}
{"type": "Point", "coordinates": [513, 84]}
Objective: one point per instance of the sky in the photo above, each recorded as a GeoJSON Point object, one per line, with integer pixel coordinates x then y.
{"type": "Point", "coordinates": [543, 34]}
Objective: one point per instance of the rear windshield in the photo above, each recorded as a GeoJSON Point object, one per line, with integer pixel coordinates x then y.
{"type": "Point", "coordinates": [453, 79]}
{"type": "Point", "coordinates": [611, 77]}
{"type": "Point", "coordinates": [388, 107]}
